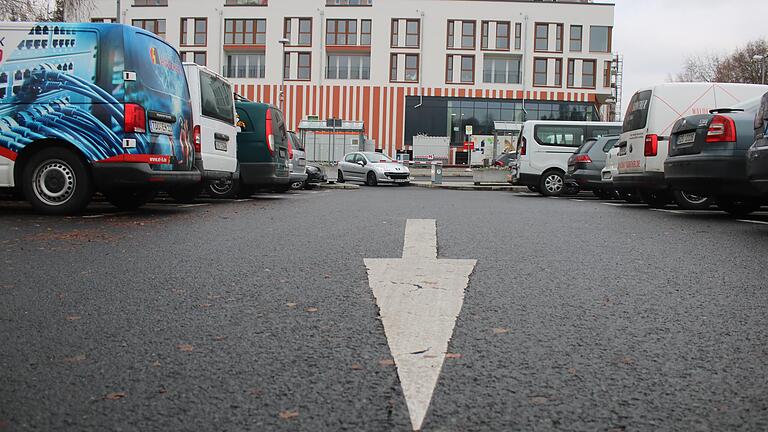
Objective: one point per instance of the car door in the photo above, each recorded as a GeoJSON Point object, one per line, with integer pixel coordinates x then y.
{"type": "Point", "coordinates": [359, 166]}
{"type": "Point", "coordinates": [346, 166]}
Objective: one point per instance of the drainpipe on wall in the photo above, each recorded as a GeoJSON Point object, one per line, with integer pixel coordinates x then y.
{"type": "Point", "coordinates": [524, 62]}
{"type": "Point", "coordinates": [322, 45]}
{"type": "Point", "coordinates": [222, 62]}
{"type": "Point", "coordinates": [118, 16]}
{"type": "Point", "coordinates": [421, 58]}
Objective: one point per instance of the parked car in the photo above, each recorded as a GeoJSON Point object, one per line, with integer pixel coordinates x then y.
{"type": "Point", "coordinates": [372, 168]}
{"type": "Point", "coordinates": [586, 165]}
{"type": "Point", "coordinates": [505, 159]}
{"type": "Point", "coordinates": [315, 176]}
{"type": "Point", "coordinates": [298, 163]}
{"type": "Point", "coordinates": [262, 150]}
{"type": "Point", "coordinates": [644, 142]}
{"type": "Point", "coordinates": [757, 156]}
{"type": "Point", "coordinates": [609, 171]}
{"type": "Point", "coordinates": [708, 157]}
{"type": "Point", "coordinates": [215, 132]}
{"type": "Point", "coordinates": [105, 116]}
{"type": "Point", "coordinates": [544, 149]}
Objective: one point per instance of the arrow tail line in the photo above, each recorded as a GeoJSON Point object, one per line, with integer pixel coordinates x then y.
{"type": "Point", "coordinates": [420, 239]}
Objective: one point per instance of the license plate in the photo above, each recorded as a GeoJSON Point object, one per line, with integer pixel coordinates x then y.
{"type": "Point", "coordinates": [220, 145]}
{"type": "Point", "coordinates": [158, 127]}
{"type": "Point", "coordinates": [688, 138]}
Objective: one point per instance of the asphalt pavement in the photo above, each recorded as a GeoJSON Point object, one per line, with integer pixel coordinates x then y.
{"type": "Point", "coordinates": [257, 315]}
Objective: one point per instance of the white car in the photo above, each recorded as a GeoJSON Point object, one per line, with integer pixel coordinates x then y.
{"type": "Point", "coordinates": [544, 148]}
{"type": "Point", "coordinates": [372, 168]}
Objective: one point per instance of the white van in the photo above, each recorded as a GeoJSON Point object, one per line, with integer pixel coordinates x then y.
{"type": "Point", "coordinates": [544, 148]}
{"type": "Point", "coordinates": [651, 114]}
{"type": "Point", "coordinates": [214, 132]}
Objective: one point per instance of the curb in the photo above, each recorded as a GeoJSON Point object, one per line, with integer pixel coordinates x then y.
{"type": "Point", "coordinates": [469, 187]}
{"type": "Point", "coordinates": [338, 186]}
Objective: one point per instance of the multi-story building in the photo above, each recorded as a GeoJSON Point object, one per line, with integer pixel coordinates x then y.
{"type": "Point", "coordinates": [403, 67]}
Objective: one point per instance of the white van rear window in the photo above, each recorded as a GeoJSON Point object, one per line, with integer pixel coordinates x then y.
{"type": "Point", "coordinates": [560, 135]}
{"type": "Point", "coordinates": [216, 98]}
{"type": "Point", "coordinates": [637, 113]}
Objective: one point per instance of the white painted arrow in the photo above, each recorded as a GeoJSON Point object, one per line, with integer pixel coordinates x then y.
{"type": "Point", "coordinates": [419, 298]}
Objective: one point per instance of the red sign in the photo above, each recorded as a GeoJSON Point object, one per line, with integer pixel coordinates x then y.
{"type": "Point", "coordinates": [469, 145]}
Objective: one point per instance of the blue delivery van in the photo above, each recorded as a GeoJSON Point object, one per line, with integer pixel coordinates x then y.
{"type": "Point", "coordinates": [90, 108]}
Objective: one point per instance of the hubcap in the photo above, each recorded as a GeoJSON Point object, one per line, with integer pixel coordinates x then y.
{"type": "Point", "coordinates": [297, 185]}
{"type": "Point", "coordinates": [222, 187]}
{"type": "Point", "coordinates": [695, 199]}
{"type": "Point", "coordinates": [54, 182]}
{"type": "Point", "coordinates": [553, 183]}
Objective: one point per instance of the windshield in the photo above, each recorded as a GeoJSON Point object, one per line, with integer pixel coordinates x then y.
{"type": "Point", "coordinates": [216, 98]}
{"type": "Point", "coordinates": [377, 158]}
{"type": "Point", "coordinates": [637, 113]}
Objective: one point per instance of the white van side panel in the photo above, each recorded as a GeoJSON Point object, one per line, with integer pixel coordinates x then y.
{"type": "Point", "coordinates": [6, 172]}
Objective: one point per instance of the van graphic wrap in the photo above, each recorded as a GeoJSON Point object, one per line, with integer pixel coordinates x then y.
{"type": "Point", "coordinates": [65, 82]}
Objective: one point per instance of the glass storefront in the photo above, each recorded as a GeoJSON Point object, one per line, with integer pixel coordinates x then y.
{"type": "Point", "coordinates": [439, 116]}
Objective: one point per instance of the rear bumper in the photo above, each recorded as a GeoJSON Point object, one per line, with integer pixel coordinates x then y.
{"type": "Point", "coordinates": [298, 177]}
{"type": "Point", "coordinates": [709, 175]}
{"type": "Point", "coordinates": [264, 174]}
{"type": "Point", "coordinates": [108, 176]}
{"type": "Point", "coordinates": [586, 179]}
{"type": "Point", "coordinates": [647, 180]}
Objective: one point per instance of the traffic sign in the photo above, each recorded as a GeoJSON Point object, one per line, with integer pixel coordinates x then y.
{"type": "Point", "coordinates": [469, 129]}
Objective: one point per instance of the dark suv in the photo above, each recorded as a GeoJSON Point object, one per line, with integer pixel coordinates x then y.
{"type": "Point", "coordinates": [585, 167]}
{"type": "Point", "coordinates": [757, 156]}
{"type": "Point", "coordinates": [708, 157]}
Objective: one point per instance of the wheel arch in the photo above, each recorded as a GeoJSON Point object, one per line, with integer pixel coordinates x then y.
{"type": "Point", "coordinates": [33, 148]}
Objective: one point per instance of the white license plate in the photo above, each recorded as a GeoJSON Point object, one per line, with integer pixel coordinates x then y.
{"type": "Point", "coordinates": [159, 127]}
{"type": "Point", "coordinates": [220, 145]}
{"type": "Point", "coordinates": [688, 138]}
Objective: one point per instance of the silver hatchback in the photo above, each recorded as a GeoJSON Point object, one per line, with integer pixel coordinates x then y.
{"type": "Point", "coordinates": [372, 168]}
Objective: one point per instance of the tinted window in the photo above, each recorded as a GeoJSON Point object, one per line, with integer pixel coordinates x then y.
{"type": "Point", "coordinates": [216, 98]}
{"type": "Point", "coordinates": [244, 121]}
{"type": "Point", "coordinates": [761, 118]}
{"type": "Point", "coordinates": [586, 147]}
{"type": "Point", "coordinates": [601, 131]}
{"type": "Point", "coordinates": [278, 124]}
{"type": "Point", "coordinates": [561, 136]}
{"type": "Point", "coordinates": [637, 113]}
{"type": "Point", "coordinates": [297, 144]}
{"type": "Point", "coordinates": [609, 145]}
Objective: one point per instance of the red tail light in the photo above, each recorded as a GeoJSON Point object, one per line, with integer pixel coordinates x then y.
{"type": "Point", "coordinates": [268, 132]}
{"type": "Point", "coordinates": [523, 146]}
{"type": "Point", "coordinates": [197, 140]}
{"type": "Point", "coordinates": [135, 119]}
{"type": "Point", "coordinates": [651, 145]}
{"type": "Point", "coordinates": [721, 129]}
{"type": "Point", "coordinates": [582, 159]}
{"type": "Point", "coordinates": [290, 148]}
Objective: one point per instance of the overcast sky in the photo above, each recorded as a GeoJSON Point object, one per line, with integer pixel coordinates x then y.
{"type": "Point", "coordinates": [656, 35]}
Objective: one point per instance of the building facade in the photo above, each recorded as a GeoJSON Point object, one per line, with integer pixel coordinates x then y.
{"type": "Point", "coordinates": [403, 67]}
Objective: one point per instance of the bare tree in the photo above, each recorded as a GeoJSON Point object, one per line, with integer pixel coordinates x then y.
{"type": "Point", "coordinates": [23, 10]}
{"type": "Point", "coordinates": [699, 68]}
{"type": "Point", "coordinates": [737, 67]}
{"type": "Point", "coordinates": [72, 10]}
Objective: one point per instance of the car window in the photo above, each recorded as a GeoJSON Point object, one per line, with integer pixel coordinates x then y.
{"type": "Point", "coordinates": [559, 135]}
{"type": "Point", "coordinates": [584, 148]}
{"type": "Point", "coordinates": [297, 144]}
{"type": "Point", "coordinates": [359, 158]}
{"type": "Point", "coordinates": [637, 113]}
{"type": "Point", "coordinates": [350, 158]}
{"type": "Point", "coordinates": [216, 98]}
{"type": "Point", "coordinates": [761, 118]}
{"type": "Point", "coordinates": [609, 145]}
{"type": "Point", "coordinates": [244, 121]}
{"type": "Point", "coordinates": [377, 157]}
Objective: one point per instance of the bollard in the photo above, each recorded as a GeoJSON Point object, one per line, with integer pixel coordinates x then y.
{"type": "Point", "coordinates": [437, 173]}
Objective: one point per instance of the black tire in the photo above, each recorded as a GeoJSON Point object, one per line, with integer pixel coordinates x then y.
{"type": "Point", "coordinates": [688, 201]}
{"type": "Point", "coordinates": [404, 184]}
{"type": "Point", "coordinates": [371, 180]}
{"type": "Point", "coordinates": [571, 190]}
{"type": "Point", "coordinates": [340, 178]}
{"type": "Point", "coordinates": [57, 181]}
{"type": "Point", "coordinates": [298, 185]}
{"type": "Point", "coordinates": [282, 189]}
{"type": "Point", "coordinates": [552, 183]}
{"type": "Point", "coordinates": [533, 189]}
{"type": "Point", "coordinates": [186, 194]}
{"type": "Point", "coordinates": [738, 207]}
{"type": "Point", "coordinates": [656, 199]}
{"type": "Point", "coordinates": [631, 197]}
{"type": "Point", "coordinates": [306, 185]}
{"type": "Point", "coordinates": [223, 189]}
{"type": "Point", "coordinates": [245, 192]}
{"type": "Point", "coordinates": [130, 199]}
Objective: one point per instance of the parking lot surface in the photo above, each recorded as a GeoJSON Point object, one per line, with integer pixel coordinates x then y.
{"type": "Point", "coordinates": [257, 314]}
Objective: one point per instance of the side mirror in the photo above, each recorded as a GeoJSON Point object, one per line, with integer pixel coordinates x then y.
{"type": "Point", "coordinates": [361, 163]}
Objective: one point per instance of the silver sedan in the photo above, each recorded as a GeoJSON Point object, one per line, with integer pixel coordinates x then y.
{"type": "Point", "coordinates": [372, 169]}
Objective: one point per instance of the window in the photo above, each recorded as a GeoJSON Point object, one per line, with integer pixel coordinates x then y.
{"type": "Point", "coordinates": [365, 32]}
{"type": "Point", "coordinates": [518, 36]}
{"type": "Point", "coordinates": [559, 38]}
{"type": "Point", "coordinates": [484, 29]}
{"type": "Point", "coordinates": [287, 66]}
{"type": "Point", "coordinates": [246, 2]}
{"type": "Point", "coordinates": [468, 35]}
{"type": "Point", "coordinates": [349, 66]}
{"type": "Point", "coordinates": [305, 31]}
{"type": "Point", "coordinates": [542, 37]}
{"type": "Point", "coordinates": [341, 32]}
{"type": "Point", "coordinates": [150, 2]}
{"type": "Point", "coordinates": [305, 66]}
{"type": "Point", "coordinates": [501, 70]}
{"type": "Point", "coordinates": [502, 36]}
{"type": "Point", "coordinates": [393, 67]}
{"type": "Point", "coordinates": [245, 32]}
{"type": "Point", "coordinates": [588, 73]}
{"type": "Point", "coordinates": [576, 38]}
{"type": "Point", "coordinates": [412, 33]}
{"type": "Point", "coordinates": [411, 68]}
{"type": "Point", "coordinates": [609, 145]}
{"type": "Point", "coordinates": [561, 136]}
{"type": "Point", "coordinates": [451, 29]}
{"type": "Point", "coordinates": [637, 113]}
{"type": "Point", "coordinates": [449, 69]}
{"type": "Point", "coordinates": [245, 66]}
{"type": "Point", "coordinates": [156, 26]}
{"type": "Point", "coordinates": [467, 69]}
{"type": "Point", "coordinates": [200, 30]}
{"type": "Point", "coordinates": [607, 75]}
{"type": "Point", "coordinates": [600, 39]}
{"type": "Point", "coordinates": [198, 57]}
{"type": "Point", "coordinates": [104, 20]}
{"type": "Point", "coordinates": [558, 72]}
{"type": "Point", "coordinates": [348, 2]}
{"type": "Point", "coordinates": [287, 29]}
{"type": "Point", "coordinates": [571, 73]}
{"type": "Point", "coordinates": [216, 98]}
{"type": "Point", "coordinates": [540, 72]}
{"type": "Point", "coordinates": [395, 33]}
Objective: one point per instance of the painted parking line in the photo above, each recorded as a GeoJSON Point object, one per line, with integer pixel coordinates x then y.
{"type": "Point", "coordinates": [419, 298]}
{"type": "Point", "coordinates": [624, 204]}
{"type": "Point", "coordinates": [669, 211]}
{"type": "Point", "coordinates": [753, 222]}
{"type": "Point", "coordinates": [194, 205]}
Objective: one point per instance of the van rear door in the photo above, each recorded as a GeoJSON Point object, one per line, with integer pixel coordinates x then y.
{"type": "Point", "coordinates": [217, 124]}
{"type": "Point", "coordinates": [631, 157]}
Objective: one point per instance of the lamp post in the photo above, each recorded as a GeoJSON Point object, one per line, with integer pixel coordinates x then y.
{"type": "Point", "coordinates": [283, 42]}
{"type": "Point", "coordinates": [761, 59]}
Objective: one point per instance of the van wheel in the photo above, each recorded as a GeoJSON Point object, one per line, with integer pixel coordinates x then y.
{"type": "Point", "coordinates": [371, 180]}
{"type": "Point", "coordinates": [340, 178]}
{"type": "Point", "coordinates": [656, 199]}
{"type": "Point", "coordinates": [186, 194]}
{"type": "Point", "coordinates": [56, 181]}
{"type": "Point", "coordinates": [223, 189]}
{"type": "Point", "coordinates": [130, 199]}
{"type": "Point", "coordinates": [631, 197]}
{"type": "Point", "coordinates": [689, 201]}
{"type": "Point", "coordinates": [552, 183]}
{"type": "Point", "coordinates": [738, 207]}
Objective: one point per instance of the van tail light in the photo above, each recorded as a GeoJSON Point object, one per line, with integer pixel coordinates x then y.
{"type": "Point", "coordinates": [290, 148]}
{"type": "Point", "coordinates": [721, 129]}
{"type": "Point", "coordinates": [197, 140]}
{"type": "Point", "coordinates": [269, 133]}
{"type": "Point", "coordinates": [651, 145]}
{"type": "Point", "coordinates": [523, 146]}
{"type": "Point", "coordinates": [582, 158]}
{"type": "Point", "coordinates": [135, 119]}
